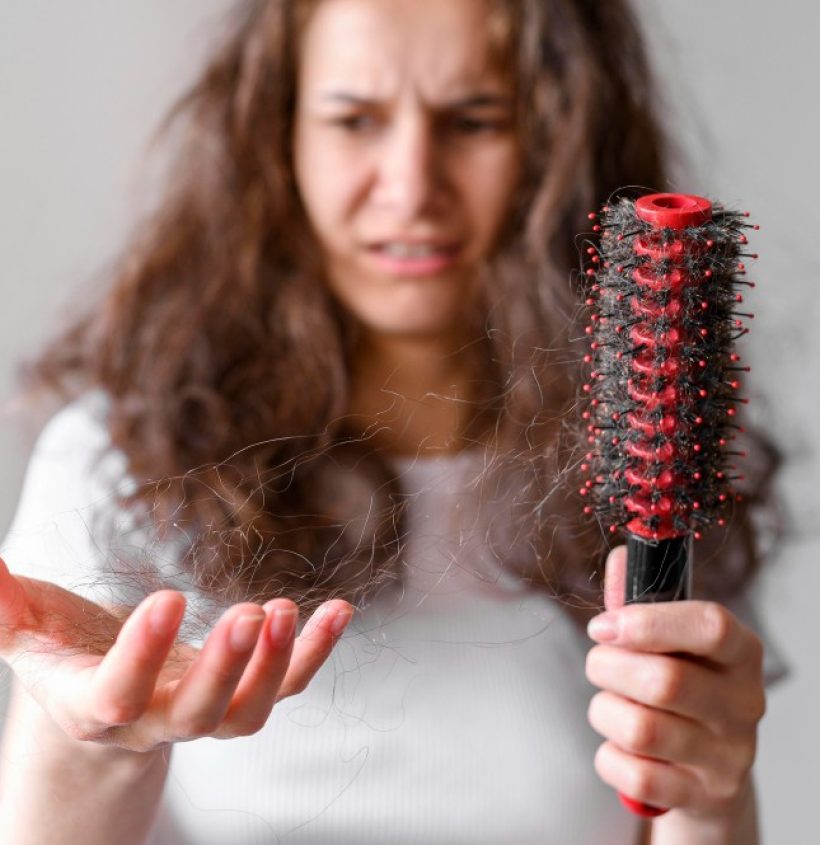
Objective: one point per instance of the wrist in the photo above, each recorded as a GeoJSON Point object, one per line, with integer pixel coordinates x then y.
{"type": "Point", "coordinates": [736, 825]}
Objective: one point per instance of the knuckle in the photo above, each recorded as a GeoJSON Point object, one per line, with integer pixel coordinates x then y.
{"type": "Point", "coordinates": [664, 683]}
{"type": "Point", "coordinates": [641, 624]}
{"type": "Point", "coordinates": [639, 780]}
{"type": "Point", "coordinates": [717, 625]}
{"type": "Point", "coordinates": [641, 732]}
{"type": "Point", "coordinates": [248, 727]}
{"type": "Point", "coordinates": [117, 712]}
{"type": "Point", "coordinates": [299, 685]}
{"type": "Point", "coordinates": [198, 725]}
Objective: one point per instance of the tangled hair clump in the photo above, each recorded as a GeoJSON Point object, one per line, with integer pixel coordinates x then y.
{"type": "Point", "coordinates": [225, 360]}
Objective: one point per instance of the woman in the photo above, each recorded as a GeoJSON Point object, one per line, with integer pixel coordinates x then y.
{"type": "Point", "coordinates": [332, 373]}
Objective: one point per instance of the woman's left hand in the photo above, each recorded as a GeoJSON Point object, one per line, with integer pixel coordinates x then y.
{"type": "Point", "coordinates": [682, 694]}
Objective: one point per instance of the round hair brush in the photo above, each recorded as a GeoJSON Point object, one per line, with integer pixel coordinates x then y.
{"type": "Point", "coordinates": [665, 284]}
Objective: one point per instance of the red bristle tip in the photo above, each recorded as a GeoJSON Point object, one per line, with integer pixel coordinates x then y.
{"type": "Point", "coordinates": [592, 215]}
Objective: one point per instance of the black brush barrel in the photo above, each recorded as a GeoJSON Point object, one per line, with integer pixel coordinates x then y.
{"type": "Point", "coordinates": [658, 570]}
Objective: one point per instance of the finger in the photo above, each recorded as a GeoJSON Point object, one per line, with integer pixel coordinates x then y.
{"type": "Point", "coordinates": [699, 628]}
{"type": "Point", "coordinates": [255, 695]}
{"type": "Point", "coordinates": [649, 732]}
{"type": "Point", "coordinates": [615, 578]}
{"type": "Point", "coordinates": [668, 683]}
{"type": "Point", "coordinates": [314, 644]}
{"type": "Point", "coordinates": [12, 603]}
{"type": "Point", "coordinates": [123, 683]}
{"type": "Point", "coordinates": [653, 782]}
{"type": "Point", "coordinates": [200, 701]}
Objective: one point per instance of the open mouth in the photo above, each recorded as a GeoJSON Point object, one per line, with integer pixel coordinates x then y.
{"type": "Point", "coordinates": [414, 259]}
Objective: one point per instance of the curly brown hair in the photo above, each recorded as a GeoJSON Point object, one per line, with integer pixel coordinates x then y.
{"type": "Point", "coordinates": [225, 360]}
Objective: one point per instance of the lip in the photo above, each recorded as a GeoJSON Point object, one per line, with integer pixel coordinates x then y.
{"type": "Point", "coordinates": [430, 265]}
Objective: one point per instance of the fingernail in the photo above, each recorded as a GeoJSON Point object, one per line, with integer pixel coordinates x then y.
{"type": "Point", "coordinates": [244, 632]}
{"type": "Point", "coordinates": [282, 625]}
{"type": "Point", "coordinates": [164, 616]}
{"type": "Point", "coordinates": [603, 628]}
{"type": "Point", "coordinates": [340, 621]}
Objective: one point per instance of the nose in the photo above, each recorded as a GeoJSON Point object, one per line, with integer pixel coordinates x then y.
{"type": "Point", "coordinates": [409, 177]}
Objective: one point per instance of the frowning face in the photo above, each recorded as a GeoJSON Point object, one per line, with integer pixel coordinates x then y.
{"type": "Point", "coordinates": [405, 153]}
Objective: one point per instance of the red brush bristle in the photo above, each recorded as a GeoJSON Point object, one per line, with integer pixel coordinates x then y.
{"type": "Point", "coordinates": [662, 381]}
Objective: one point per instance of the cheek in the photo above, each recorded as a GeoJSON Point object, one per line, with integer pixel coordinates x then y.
{"type": "Point", "coordinates": [490, 185]}
{"type": "Point", "coordinates": [325, 185]}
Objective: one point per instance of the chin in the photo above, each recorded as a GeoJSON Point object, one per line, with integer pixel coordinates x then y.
{"type": "Point", "coordinates": [402, 325]}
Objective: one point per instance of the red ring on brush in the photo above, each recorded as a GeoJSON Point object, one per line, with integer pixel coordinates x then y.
{"type": "Point", "coordinates": [673, 211]}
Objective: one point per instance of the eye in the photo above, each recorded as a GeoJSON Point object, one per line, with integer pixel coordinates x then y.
{"type": "Point", "coordinates": [354, 122]}
{"type": "Point", "coordinates": [475, 126]}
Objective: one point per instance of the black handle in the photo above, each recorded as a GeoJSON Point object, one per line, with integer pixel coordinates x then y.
{"type": "Point", "coordinates": [658, 571]}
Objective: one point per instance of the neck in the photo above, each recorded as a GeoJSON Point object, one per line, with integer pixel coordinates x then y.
{"type": "Point", "coordinates": [413, 395]}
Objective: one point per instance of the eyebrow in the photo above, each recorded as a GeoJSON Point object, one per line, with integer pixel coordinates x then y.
{"type": "Point", "coordinates": [478, 100]}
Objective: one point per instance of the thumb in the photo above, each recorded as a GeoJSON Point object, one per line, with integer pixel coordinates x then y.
{"type": "Point", "coordinates": [615, 578]}
{"type": "Point", "coordinates": [12, 601]}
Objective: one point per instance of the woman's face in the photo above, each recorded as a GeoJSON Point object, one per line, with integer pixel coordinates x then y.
{"type": "Point", "coordinates": [406, 156]}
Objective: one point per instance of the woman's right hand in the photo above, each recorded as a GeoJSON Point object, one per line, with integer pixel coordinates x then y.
{"type": "Point", "coordinates": [128, 684]}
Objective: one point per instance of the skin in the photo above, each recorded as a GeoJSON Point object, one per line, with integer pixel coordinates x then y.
{"type": "Point", "coordinates": [682, 695]}
{"type": "Point", "coordinates": [681, 686]}
{"type": "Point", "coordinates": [408, 157]}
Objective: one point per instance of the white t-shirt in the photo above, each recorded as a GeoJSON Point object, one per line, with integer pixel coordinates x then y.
{"type": "Point", "coordinates": [451, 712]}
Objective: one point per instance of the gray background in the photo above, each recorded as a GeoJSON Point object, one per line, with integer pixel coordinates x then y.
{"type": "Point", "coordinates": [83, 84]}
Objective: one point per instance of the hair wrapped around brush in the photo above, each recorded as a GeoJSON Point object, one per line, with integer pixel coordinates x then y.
{"type": "Point", "coordinates": [665, 293]}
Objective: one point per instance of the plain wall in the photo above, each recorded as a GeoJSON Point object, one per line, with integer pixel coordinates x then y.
{"type": "Point", "coordinates": [83, 85]}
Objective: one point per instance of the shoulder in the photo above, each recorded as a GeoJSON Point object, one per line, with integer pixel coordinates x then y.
{"type": "Point", "coordinates": [76, 431]}
{"type": "Point", "coordinates": [71, 478]}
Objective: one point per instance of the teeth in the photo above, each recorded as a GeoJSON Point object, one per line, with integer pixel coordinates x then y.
{"type": "Point", "coordinates": [403, 250]}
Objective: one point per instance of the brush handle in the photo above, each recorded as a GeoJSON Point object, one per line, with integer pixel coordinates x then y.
{"type": "Point", "coordinates": [656, 571]}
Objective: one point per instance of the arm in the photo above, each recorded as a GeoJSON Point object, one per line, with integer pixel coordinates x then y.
{"type": "Point", "coordinates": [98, 702]}
{"type": "Point", "coordinates": [57, 789]}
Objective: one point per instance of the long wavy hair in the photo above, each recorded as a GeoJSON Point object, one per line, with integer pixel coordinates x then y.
{"type": "Point", "coordinates": [225, 361]}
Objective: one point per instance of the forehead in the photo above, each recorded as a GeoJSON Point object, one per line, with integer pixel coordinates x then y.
{"type": "Point", "coordinates": [379, 46]}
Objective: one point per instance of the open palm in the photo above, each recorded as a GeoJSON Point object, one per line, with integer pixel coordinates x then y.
{"type": "Point", "coordinates": [126, 682]}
